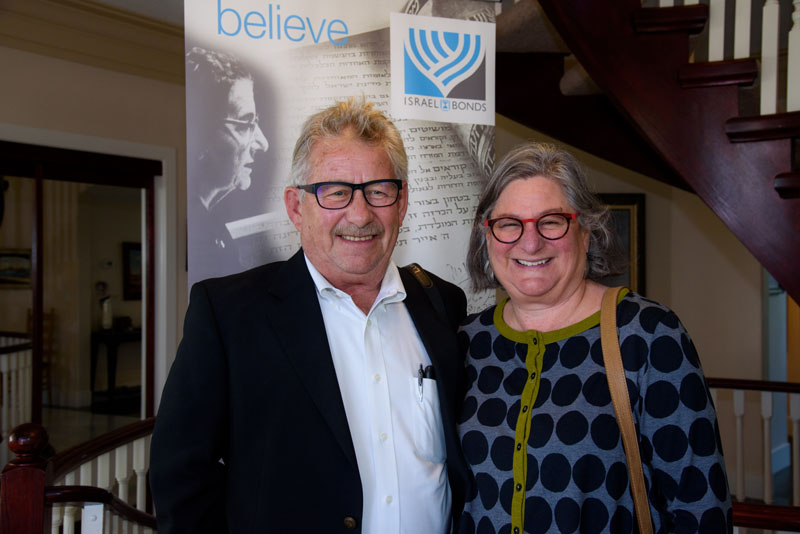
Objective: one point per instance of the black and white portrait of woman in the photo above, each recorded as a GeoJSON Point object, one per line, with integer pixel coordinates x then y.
{"type": "Point", "coordinates": [224, 143]}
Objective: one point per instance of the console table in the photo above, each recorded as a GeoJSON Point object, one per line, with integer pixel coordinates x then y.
{"type": "Point", "coordinates": [112, 339]}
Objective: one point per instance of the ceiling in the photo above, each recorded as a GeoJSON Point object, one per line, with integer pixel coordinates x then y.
{"type": "Point", "coordinates": [165, 10]}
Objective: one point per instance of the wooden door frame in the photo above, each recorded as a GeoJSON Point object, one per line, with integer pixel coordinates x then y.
{"type": "Point", "coordinates": [60, 164]}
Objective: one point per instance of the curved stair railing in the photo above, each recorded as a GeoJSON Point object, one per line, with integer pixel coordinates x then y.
{"type": "Point", "coordinates": [99, 486]}
{"type": "Point", "coordinates": [687, 114]}
{"type": "Point", "coordinates": [87, 486]}
{"type": "Point", "coordinates": [760, 512]}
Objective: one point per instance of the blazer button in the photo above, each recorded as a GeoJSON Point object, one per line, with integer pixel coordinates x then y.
{"type": "Point", "coordinates": [349, 522]}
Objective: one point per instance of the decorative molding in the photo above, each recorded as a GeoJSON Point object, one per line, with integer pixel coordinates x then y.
{"type": "Point", "coordinates": [94, 34]}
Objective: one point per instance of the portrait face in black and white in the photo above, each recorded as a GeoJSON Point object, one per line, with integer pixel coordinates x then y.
{"type": "Point", "coordinates": [226, 138]}
{"type": "Point", "coordinates": [233, 145]}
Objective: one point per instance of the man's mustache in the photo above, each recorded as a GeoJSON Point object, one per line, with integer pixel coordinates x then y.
{"type": "Point", "coordinates": [352, 230]}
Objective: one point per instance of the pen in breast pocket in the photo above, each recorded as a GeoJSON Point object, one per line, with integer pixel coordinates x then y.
{"type": "Point", "coordinates": [429, 373]}
{"type": "Point", "coordinates": [420, 375]}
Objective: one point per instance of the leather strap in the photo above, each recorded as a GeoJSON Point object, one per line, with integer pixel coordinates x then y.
{"type": "Point", "coordinates": [430, 289]}
{"type": "Point", "coordinates": [615, 374]}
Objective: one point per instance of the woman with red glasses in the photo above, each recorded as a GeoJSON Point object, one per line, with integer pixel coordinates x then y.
{"type": "Point", "coordinates": [538, 427]}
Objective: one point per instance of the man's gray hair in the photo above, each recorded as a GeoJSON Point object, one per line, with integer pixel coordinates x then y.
{"type": "Point", "coordinates": [542, 159]}
{"type": "Point", "coordinates": [352, 116]}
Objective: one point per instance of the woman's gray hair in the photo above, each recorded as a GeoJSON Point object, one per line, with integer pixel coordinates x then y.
{"type": "Point", "coordinates": [358, 116]}
{"type": "Point", "coordinates": [542, 159]}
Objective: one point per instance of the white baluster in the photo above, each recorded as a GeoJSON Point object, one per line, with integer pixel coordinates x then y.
{"type": "Point", "coordinates": [666, 3]}
{"type": "Point", "coordinates": [741, 34]}
{"type": "Point", "coordinates": [793, 73]}
{"type": "Point", "coordinates": [13, 384]}
{"type": "Point", "coordinates": [70, 512]}
{"type": "Point", "coordinates": [766, 417]}
{"type": "Point", "coordinates": [21, 388]}
{"type": "Point", "coordinates": [86, 473]}
{"type": "Point", "coordinates": [87, 479]}
{"type": "Point", "coordinates": [4, 383]}
{"type": "Point", "coordinates": [27, 397]}
{"type": "Point", "coordinates": [56, 519]}
{"type": "Point", "coordinates": [738, 411]}
{"type": "Point", "coordinates": [140, 468]}
{"type": "Point", "coordinates": [92, 519]}
{"type": "Point", "coordinates": [794, 413]}
{"type": "Point", "coordinates": [691, 2]}
{"type": "Point", "coordinates": [716, 30]}
{"type": "Point", "coordinates": [769, 57]}
{"type": "Point", "coordinates": [104, 471]}
{"type": "Point", "coordinates": [108, 517]}
{"type": "Point", "coordinates": [121, 472]}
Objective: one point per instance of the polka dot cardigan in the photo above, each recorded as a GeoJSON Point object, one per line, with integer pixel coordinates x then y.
{"type": "Point", "coordinates": [539, 432]}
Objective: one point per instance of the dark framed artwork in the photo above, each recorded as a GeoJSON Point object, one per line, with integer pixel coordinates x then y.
{"type": "Point", "coordinates": [627, 211]}
{"type": "Point", "coordinates": [15, 268]}
{"type": "Point", "coordinates": [132, 271]}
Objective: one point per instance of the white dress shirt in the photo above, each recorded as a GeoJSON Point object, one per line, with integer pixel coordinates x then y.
{"type": "Point", "coordinates": [396, 426]}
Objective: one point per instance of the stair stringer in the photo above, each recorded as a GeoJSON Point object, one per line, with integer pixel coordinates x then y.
{"type": "Point", "coordinates": [639, 73]}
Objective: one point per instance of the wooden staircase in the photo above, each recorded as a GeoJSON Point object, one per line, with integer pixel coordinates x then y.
{"type": "Point", "coordinates": [669, 119]}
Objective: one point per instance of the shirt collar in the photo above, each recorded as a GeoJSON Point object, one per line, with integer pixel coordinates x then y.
{"type": "Point", "coordinates": [392, 288]}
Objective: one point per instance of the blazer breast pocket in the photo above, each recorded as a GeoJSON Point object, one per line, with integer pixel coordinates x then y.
{"type": "Point", "coordinates": [428, 429]}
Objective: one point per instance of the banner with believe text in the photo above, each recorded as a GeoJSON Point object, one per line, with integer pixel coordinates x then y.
{"type": "Point", "coordinates": [256, 70]}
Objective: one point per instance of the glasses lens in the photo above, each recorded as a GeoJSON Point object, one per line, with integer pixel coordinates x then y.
{"type": "Point", "coordinates": [553, 226]}
{"type": "Point", "coordinates": [381, 194]}
{"type": "Point", "coordinates": [334, 196]}
{"type": "Point", "coordinates": [507, 230]}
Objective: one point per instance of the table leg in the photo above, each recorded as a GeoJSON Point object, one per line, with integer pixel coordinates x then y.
{"type": "Point", "coordinates": [93, 353]}
{"type": "Point", "coordinates": [112, 372]}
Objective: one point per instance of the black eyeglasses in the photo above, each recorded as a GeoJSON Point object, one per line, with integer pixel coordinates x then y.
{"type": "Point", "coordinates": [338, 195]}
{"type": "Point", "coordinates": [551, 226]}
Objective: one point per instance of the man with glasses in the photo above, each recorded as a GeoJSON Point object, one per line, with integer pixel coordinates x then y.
{"type": "Point", "coordinates": [319, 394]}
{"type": "Point", "coordinates": [223, 142]}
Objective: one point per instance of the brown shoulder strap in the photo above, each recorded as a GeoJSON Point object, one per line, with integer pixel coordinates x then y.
{"type": "Point", "coordinates": [615, 373]}
{"type": "Point", "coordinates": [430, 289]}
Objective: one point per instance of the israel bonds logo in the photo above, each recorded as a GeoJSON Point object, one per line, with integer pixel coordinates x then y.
{"type": "Point", "coordinates": [442, 69]}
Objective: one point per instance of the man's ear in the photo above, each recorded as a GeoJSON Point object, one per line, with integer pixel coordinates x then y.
{"type": "Point", "coordinates": [291, 198]}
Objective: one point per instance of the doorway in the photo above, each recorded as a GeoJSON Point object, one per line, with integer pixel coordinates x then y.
{"type": "Point", "coordinates": [91, 247]}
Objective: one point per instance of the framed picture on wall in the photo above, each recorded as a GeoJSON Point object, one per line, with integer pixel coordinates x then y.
{"type": "Point", "coordinates": [627, 210]}
{"type": "Point", "coordinates": [132, 271]}
{"type": "Point", "coordinates": [15, 268]}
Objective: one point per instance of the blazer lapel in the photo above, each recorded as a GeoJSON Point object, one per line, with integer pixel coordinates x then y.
{"type": "Point", "coordinates": [298, 322]}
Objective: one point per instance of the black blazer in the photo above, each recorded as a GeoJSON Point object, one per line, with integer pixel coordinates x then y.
{"type": "Point", "coordinates": [251, 434]}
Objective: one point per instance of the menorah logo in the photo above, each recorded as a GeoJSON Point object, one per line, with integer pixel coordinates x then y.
{"type": "Point", "coordinates": [442, 69]}
{"type": "Point", "coordinates": [436, 62]}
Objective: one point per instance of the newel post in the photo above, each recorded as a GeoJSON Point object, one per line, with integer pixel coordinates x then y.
{"type": "Point", "coordinates": [22, 482]}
